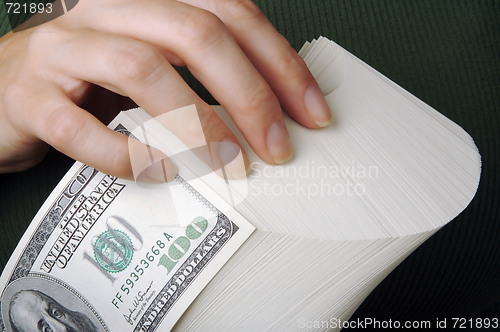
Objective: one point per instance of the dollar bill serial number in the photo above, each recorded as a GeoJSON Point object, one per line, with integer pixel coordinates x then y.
{"type": "Point", "coordinates": [28, 8]}
{"type": "Point", "coordinates": [170, 256]}
{"type": "Point", "coordinates": [138, 272]}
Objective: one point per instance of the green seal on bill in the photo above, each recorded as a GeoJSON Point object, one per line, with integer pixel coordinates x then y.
{"type": "Point", "coordinates": [113, 250]}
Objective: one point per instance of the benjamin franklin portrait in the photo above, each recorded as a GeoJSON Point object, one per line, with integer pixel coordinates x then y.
{"type": "Point", "coordinates": [34, 311]}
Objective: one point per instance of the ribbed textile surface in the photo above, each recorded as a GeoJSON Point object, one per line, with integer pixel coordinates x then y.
{"type": "Point", "coordinates": [447, 53]}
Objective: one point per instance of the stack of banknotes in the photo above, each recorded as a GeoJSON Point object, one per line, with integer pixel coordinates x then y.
{"type": "Point", "coordinates": [291, 247]}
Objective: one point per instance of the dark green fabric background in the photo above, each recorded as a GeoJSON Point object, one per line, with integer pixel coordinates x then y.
{"type": "Point", "coordinates": [446, 53]}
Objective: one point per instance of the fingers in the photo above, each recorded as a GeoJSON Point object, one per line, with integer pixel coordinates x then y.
{"type": "Point", "coordinates": [271, 54]}
{"type": "Point", "coordinates": [140, 71]}
{"type": "Point", "coordinates": [149, 164]}
{"type": "Point", "coordinates": [209, 50]}
{"type": "Point", "coordinates": [78, 134]}
{"type": "Point", "coordinates": [19, 152]}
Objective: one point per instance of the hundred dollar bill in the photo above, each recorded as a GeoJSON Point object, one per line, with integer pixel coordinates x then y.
{"type": "Point", "coordinates": [106, 254]}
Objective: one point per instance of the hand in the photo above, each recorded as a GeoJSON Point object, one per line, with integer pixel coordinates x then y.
{"type": "Point", "coordinates": [128, 46]}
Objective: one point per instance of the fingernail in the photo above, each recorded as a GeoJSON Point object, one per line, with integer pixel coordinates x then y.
{"type": "Point", "coordinates": [162, 171]}
{"type": "Point", "coordinates": [278, 143]}
{"type": "Point", "coordinates": [231, 158]}
{"type": "Point", "coordinates": [317, 106]}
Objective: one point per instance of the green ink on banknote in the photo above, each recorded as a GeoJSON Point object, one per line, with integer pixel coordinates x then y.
{"type": "Point", "coordinates": [181, 245]}
{"type": "Point", "coordinates": [113, 250]}
{"type": "Point", "coordinates": [196, 228]}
